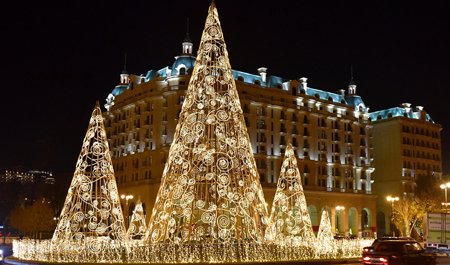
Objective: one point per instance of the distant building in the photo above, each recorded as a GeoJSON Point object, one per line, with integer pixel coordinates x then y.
{"type": "Point", "coordinates": [407, 146]}
{"type": "Point", "coordinates": [27, 176]}
{"type": "Point", "coordinates": [330, 133]}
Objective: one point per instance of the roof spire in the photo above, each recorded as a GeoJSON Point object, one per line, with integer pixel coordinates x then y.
{"type": "Point", "coordinates": [352, 81]}
{"type": "Point", "coordinates": [187, 26]}
{"type": "Point", "coordinates": [124, 71]}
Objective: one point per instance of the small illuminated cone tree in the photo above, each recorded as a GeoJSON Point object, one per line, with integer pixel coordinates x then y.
{"type": "Point", "coordinates": [325, 234]}
{"type": "Point", "coordinates": [325, 239]}
{"type": "Point", "coordinates": [290, 222]}
{"type": "Point", "coordinates": [210, 190]}
{"type": "Point", "coordinates": [137, 227]}
{"type": "Point", "coordinates": [92, 214]}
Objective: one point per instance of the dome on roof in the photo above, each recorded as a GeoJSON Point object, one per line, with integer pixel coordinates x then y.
{"type": "Point", "coordinates": [355, 101]}
{"type": "Point", "coordinates": [124, 72]}
{"type": "Point", "coordinates": [184, 61]}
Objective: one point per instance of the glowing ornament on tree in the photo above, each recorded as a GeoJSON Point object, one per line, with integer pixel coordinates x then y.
{"type": "Point", "coordinates": [91, 215]}
{"type": "Point", "coordinates": [290, 222]}
{"type": "Point", "coordinates": [210, 190]}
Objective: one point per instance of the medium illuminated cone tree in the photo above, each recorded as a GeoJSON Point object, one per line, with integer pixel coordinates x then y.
{"type": "Point", "coordinates": [325, 234]}
{"type": "Point", "coordinates": [290, 222]}
{"type": "Point", "coordinates": [137, 227]}
{"type": "Point", "coordinates": [210, 190]}
{"type": "Point", "coordinates": [92, 213]}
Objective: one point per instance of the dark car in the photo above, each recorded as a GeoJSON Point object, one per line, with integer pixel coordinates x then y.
{"type": "Point", "coordinates": [385, 238]}
{"type": "Point", "coordinates": [391, 252]}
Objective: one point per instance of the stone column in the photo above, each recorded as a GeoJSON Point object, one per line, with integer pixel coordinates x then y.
{"type": "Point", "coordinates": [329, 176]}
{"type": "Point", "coordinates": [357, 174]}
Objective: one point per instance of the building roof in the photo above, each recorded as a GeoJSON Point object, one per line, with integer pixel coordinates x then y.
{"type": "Point", "coordinates": [119, 89]}
{"type": "Point", "coordinates": [186, 61]}
{"type": "Point", "coordinates": [397, 112]}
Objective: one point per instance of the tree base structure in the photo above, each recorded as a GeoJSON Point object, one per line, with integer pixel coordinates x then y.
{"type": "Point", "coordinates": [40, 251]}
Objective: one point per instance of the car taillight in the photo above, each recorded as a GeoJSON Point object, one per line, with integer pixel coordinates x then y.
{"type": "Point", "coordinates": [366, 258]}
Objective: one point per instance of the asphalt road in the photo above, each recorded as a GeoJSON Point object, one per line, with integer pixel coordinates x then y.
{"type": "Point", "coordinates": [439, 260]}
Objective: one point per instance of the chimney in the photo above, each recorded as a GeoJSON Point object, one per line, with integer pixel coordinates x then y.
{"type": "Point", "coordinates": [406, 106]}
{"type": "Point", "coordinates": [303, 83]}
{"type": "Point", "coordinates": [263, 73]}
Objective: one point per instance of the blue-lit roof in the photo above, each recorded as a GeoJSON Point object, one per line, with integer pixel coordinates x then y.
{"type": "Point", "coordinates": [119, 89]}
{"type": "Point", "coordinates": [324, 95]}
{"type": "Point", "coordinates": [150, 75]}
{"type": "Point", "coordinates": [271, 80]}
{"type": "Point", "coordinates": [354, 100]}
{"type": "Point", "coordinates": [397, 112]}
{"type": "Point", "coordinates": [186, 61]}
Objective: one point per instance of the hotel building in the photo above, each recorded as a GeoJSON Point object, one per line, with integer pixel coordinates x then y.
{"type": "Point", "coordinates": [331, 134]}
{"type": "Point", "coordinates": [407, 146]}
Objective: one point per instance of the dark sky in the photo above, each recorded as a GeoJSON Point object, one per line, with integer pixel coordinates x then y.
{"type": "Point", "coordinates": [60, 57]}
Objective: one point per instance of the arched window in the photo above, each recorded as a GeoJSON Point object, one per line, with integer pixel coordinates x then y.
{"type": "Point", "coordinates": [312, 210]}
{"type": "Point", "coordinates": [365, 218]}
{"type": "Point", "coordinates": [330, 99]}
{"type": "Point", "coordinates": [294, 91]}
{"type": "Point", "coordinates": [182, 71]}
{"type": "Point", "coordinates": [240, 78]}
{"type": "Point", "coordinates": [353, 221]}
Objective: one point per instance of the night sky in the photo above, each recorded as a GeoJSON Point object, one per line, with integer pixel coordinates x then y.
{"type": "Point", "coordinates": [59, 58]}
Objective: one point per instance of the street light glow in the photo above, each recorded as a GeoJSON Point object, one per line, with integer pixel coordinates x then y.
{"type": "Point", "coordinates": [392, 199]}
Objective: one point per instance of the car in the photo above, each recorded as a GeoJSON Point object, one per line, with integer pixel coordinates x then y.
{"type": "Point", "coordinates": [385, 238]}
{"type": "Point", "coordinates": [398, 251]}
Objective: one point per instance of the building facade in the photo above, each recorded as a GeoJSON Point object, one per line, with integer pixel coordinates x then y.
{"type": "Point", "coordinates": [330, 133]}
{"type": "Point", "coordinates": [407, 146]}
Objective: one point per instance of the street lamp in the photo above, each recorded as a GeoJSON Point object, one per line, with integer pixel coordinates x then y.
{"type": "Point", "coordinates": [444, 186]}
{"type": "Point", "coordinates": [126, 198]}
{"type": "Point", "coordinates": [338, 213]}
{"type": "Point", "coordinates": [392, 200]}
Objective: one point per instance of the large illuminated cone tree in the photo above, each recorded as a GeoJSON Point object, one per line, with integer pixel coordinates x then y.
{"type": "Point", "coordinates": [289, 221]}
{"type": "Point", "coordinates": [137, 227]}
{"type": "Point", "coordinates": [210, 190]}
{"type": "Point", "coordinates": [92, 213]}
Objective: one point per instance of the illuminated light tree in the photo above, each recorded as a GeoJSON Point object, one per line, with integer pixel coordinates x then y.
{"type": "Point", "coordinates": [325, 247]}
{"type": "Point", "coordinates": [91, 215]}
{"type": "Point", "coordinates": [137, 227]}
{"type": "Point", "coordinates": [289, 221]}
{"type": "Point", "coordinates": [210, 190]}
{"type": "Point", "coordinates": [325, 233]}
